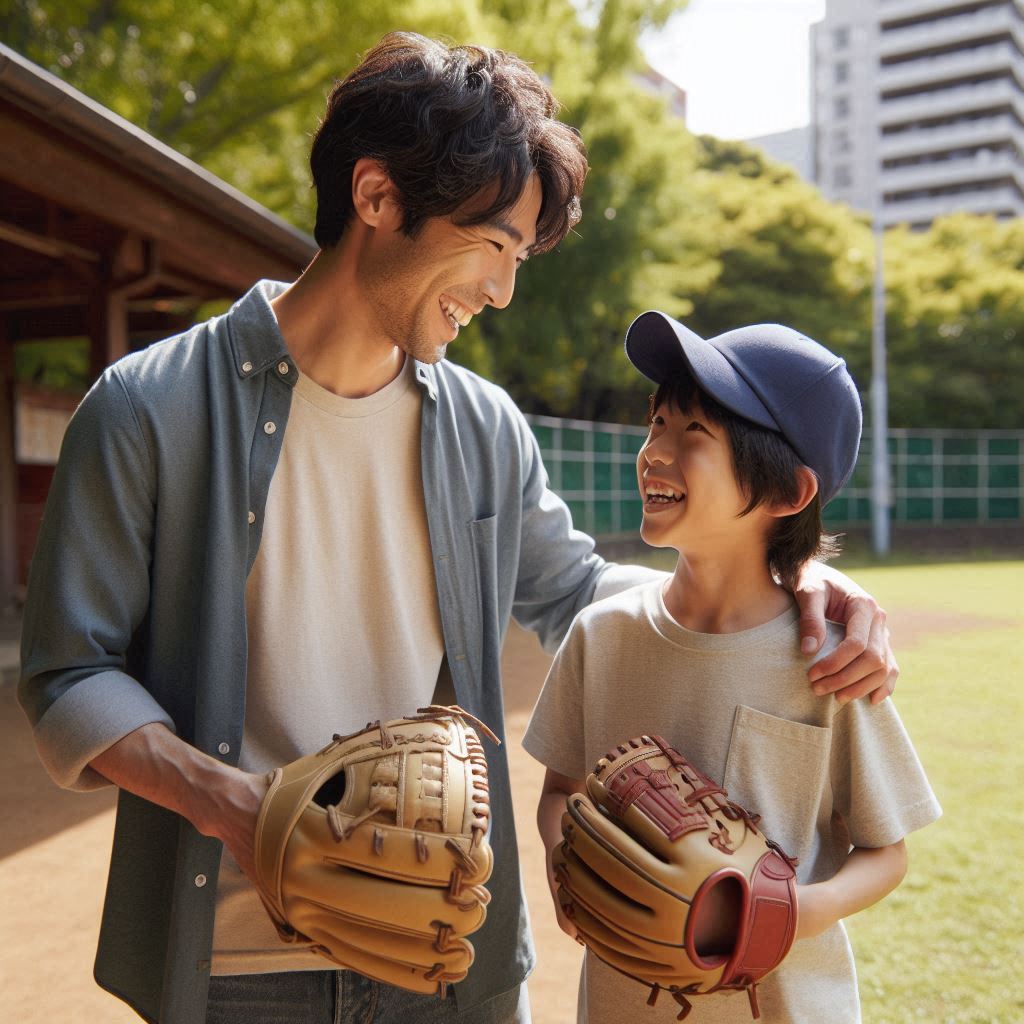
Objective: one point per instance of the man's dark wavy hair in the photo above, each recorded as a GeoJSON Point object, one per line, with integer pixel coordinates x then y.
{"type": "Point", "coordinates": [766, 471]}
{"type": "Point", "coordinates": [447, 122]}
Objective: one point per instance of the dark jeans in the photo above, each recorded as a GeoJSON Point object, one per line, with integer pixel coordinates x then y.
{"type": "Point", "coordinates": [344, 997]}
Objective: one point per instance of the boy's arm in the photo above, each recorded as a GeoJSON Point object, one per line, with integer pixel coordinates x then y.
{"type": "Point", "coordinates": [867, 876]}
{"type": "Point", "coordinates": [550, 809]}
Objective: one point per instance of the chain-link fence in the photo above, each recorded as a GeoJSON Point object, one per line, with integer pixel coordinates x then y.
{"type": "Point", "coordinates": [939, 477]}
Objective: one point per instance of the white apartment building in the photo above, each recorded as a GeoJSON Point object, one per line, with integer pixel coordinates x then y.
{"type": "Point", "coordinates": [918, 105]}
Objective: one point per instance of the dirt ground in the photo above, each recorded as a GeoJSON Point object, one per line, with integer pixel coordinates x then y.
{"type": "Point", "coordinates": [54, 848]}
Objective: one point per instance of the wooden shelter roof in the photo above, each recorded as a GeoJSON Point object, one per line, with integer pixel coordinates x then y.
{"type": "Point", "coordinates": [93, 207]}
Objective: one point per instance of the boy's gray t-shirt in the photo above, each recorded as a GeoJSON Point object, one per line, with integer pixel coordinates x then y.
{"type": "Point", "coordinates": [824, 776]}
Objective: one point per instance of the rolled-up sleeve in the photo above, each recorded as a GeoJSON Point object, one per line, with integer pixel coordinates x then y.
{"type": "Point", "coordinates": [89, 590]}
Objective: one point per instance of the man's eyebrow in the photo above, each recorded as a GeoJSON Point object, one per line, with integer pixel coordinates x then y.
{"type": "Point", "coordinates": [509, 229]}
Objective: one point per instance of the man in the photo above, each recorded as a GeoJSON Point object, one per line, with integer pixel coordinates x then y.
{"type": "Point", "coordinates": [296, 517]}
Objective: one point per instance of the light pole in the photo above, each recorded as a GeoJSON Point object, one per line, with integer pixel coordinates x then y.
{"type": "Point", "coordinates": [880, 485]}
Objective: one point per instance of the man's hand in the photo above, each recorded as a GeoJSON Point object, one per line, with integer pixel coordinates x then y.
{"type": "Point", "coordinates": [864, 662]}
{"type": "Point", "coordinates": [219, 800]}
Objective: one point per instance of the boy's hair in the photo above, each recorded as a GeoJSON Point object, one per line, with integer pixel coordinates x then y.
{"type": "Point", "coordinates": [765, 465]}
{"type": "Point", "coordinates": [447, 123]}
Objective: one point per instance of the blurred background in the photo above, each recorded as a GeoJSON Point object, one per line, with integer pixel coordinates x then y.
{"type": "Point", "coordinates": [749, 162]}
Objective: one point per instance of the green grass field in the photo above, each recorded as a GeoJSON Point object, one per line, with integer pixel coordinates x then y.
{"type": "Point", "coordinates": [948, 946]}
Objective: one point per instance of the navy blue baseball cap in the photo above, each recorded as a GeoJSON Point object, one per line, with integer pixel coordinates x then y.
{"type": "Point", "coordinates": [772, 375]}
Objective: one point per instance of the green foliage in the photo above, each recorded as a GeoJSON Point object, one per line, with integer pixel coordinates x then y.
{"type": "Point", "coordinates": [954, 323]}
{"type": "Point", "coordinates": [712, 232]}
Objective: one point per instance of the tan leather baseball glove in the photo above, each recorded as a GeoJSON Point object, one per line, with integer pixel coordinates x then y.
{"type": "Point", "coordinates": [669, 881]}
{"type": "Point", "coordinates": [374, 849]}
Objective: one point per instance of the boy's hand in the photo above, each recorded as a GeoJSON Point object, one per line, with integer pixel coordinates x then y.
{"type": "Point", "coordinates": [864, 662]}
{"type": "Point", "coordinates": [550, 809]}
{"type": "Point", "coordinates": [563, 922]}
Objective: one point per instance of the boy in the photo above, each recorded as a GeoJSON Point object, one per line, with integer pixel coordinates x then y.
{"type": "Point", "coordinates": [751, 434]}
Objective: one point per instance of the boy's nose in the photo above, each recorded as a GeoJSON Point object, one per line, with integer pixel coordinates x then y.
{"type": "Point", "coordinates": [653, 452]}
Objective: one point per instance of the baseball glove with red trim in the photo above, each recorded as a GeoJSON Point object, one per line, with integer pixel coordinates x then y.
{"type": "Point", "coordinates": [669, 881]}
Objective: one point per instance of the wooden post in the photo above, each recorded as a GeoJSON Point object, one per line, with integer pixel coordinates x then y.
{"type": "Point", "coordinates": [8, 474]}
{"type": "Point", "coordinates": [108, 329]}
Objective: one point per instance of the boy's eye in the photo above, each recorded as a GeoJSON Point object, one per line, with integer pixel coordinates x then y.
{"type": "Point", "coordinates": [694, 425]}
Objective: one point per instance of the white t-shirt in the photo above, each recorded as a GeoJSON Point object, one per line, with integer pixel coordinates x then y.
{"type": "Point", "coordinates": [343, 620]}
{"type": "Point", "coordinates": [824, 776]}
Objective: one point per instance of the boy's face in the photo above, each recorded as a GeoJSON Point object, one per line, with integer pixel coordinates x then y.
{"type": "Point", "coordinates": [688, 483]}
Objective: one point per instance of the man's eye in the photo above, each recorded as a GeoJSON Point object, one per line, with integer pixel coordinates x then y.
{"type": "Point", "coordinates": [497, 245]}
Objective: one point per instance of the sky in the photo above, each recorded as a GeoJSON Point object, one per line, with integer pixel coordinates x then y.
{"type": "Point", "coordinates": [745, 64]}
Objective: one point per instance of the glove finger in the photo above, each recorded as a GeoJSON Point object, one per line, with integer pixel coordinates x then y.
{"type": "Point", "coordinates": [646, 965]}
{"type": "Point", "coordinates": [398, 852]}
{"type": "Point", "coordinates": [385, 956]}
{"type": "Point", "coordinates": [603, 899]}
{"type": "Point", "coordinates": [602, 871]}
{"type": "Point", "coordinates": [610, 853]}
{"type": "Point", "coordinates": [363, 897]}
{"type": "Point", "coordinates": [592, 926]}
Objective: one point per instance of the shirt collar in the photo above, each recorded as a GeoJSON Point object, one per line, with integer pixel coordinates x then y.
{"type": "Point", "coordinates": [256, 341]}
{"type": "Point", "coordinates": [257, 344]}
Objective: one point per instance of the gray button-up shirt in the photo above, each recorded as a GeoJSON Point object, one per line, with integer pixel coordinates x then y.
{"type": "Point", "coordinates": [136, 610]}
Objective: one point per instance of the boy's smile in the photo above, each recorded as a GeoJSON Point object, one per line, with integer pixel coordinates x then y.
{"type": "Point", "coordinates": [688, 483]}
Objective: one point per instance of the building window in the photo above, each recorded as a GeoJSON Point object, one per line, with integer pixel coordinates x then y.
{"type": "Point", "coordinates": [841, 37]}
{"type": "Point", "coordinates": [841, 141]}
{"type": "Point", "coordinates": [841, 177]}
{"type": "Point", "coordinates": [841, 72]}
{"type": "Point", "coordinates": [841, 106]}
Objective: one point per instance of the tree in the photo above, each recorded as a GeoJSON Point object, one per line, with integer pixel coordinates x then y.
{"type": "Point", "coordinates": [954, 324]}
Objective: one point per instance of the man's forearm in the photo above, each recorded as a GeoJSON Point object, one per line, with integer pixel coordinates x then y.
{"type": "Point", "coordinates": [219, 800]}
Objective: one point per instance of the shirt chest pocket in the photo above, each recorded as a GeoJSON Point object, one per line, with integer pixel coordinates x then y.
{"type": "Point", "coordinates": [780, 770]}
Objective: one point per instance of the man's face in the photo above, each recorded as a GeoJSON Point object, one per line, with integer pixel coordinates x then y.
{"type": "Point", "coordinates": [423, 289]}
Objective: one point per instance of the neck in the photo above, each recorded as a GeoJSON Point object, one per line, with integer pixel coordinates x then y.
{"type": "Point", "coordinates": [724, 592]}
{"type": "Point", "coordinates": [330, 330]}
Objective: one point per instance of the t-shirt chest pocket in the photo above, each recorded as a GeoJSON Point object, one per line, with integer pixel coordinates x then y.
{"type": "Point", "coordinates": [779, 769]}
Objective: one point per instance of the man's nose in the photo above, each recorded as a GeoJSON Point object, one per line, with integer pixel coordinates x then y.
{"type": "Point", "coordinates": [500, 286]}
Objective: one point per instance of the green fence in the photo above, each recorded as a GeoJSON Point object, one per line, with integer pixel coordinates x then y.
{"type": "Point", "coordinates": [940, 477]}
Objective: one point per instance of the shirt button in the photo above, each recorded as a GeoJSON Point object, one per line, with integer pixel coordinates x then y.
{"type": "Point", "coordinates": [247, 367]}
{"type": "Point", "coordinates": [200, 881]}
{"type": "Point", "coordinates": [252, 518]}
{"type": "Point", "coordinates": [224, 748]}
{"type": "Point", "coordinates": [283, 368]}
{"type": "Point", "coordinates": [269, 427]}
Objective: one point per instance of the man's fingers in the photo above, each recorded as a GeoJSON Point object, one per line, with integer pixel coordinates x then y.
{"type": "Point", "coordinates": [867, 636]}
{"type": "Point", "coordinates": [874, 683]}
{"type": "Point", "coordinates": [812, 618]}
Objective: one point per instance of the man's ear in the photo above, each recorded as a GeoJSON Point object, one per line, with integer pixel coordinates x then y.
{"type": "Point", "coordinates": [374, 195]}
{"type": "Point", "coordinates": [807, 488]}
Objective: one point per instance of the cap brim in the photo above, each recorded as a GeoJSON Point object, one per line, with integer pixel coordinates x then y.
{"type": "Point", "coordinates": [659, 346]}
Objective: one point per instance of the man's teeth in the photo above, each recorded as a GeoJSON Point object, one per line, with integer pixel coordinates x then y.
{"type": "Point", "coordinates": [659, 495]}
{"type": "Point", "coordinates": [459, 315]}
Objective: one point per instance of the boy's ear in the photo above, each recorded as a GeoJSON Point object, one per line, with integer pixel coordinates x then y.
{"type": "Point", "coordinates": [374, 195]}
{"type": "Point", "coordinates": [807, 488]}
